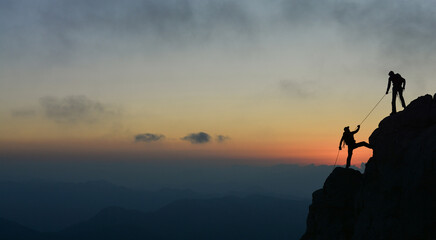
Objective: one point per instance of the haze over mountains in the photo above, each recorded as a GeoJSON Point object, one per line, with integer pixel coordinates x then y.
{"type": "Point", "coordinates": [193, 216]}
{"type": "Point", "coordinates": [254, 217]}
{"type": "Point", "coordinates": [48, 206]}
{"type": "Point", "coordinates": [285, 179]}
{"type": "Point", "coordinates": [271, 197]}
{"type": "Point", "coordinates": [52, 205]}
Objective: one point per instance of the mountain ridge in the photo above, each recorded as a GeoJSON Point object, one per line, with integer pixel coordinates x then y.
{"type": "Point", "coordinates": [395, 197]}
{"type": "Point", "coordinates": [230, 217]}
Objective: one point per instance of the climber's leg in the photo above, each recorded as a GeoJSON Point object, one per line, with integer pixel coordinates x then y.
{"type": "Point", "coordinates": [350, 154]}
{"type": "Point", "coordinates": [363, 144]}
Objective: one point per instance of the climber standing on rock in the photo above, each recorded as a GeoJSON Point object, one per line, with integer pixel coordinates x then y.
{"type": "Point", "coordinates": [398, 85]}
{"type": "Point", "coordinates": [348, 138]}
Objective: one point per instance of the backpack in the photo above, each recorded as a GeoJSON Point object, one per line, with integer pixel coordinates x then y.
{"type": "Point", "coordinates": [398, 81]}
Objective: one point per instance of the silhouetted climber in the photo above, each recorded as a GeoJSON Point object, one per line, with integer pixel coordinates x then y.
{"type": "Point", "coordinates": [348, 138]}
{"type": "Point", "coordinates": [398, 85]}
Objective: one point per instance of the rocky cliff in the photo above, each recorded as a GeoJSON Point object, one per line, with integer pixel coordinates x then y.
{"type": "Point", "coordinates": [395, 198]}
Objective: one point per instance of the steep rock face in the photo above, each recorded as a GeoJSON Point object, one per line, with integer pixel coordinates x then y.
{"type": "Point", "coordinates": [331, 215]}
{"type": "Point", "coordinates": [395, 198]}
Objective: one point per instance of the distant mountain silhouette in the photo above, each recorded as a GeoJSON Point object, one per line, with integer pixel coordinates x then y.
{"type": "Point", "coordinates": [13, 231]}
{"type": "Point", "coordinates": [395, 198]}
{"type": "Point", "coordinates": [51, 206]}
{"type": "Point", "coordinates": [255, 217]}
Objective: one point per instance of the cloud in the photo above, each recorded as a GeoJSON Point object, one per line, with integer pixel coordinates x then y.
{"type": "Point", "coordinates": [23, 113]}
{"type": "Point", "coordinates": [53, 28]}
{"type": "Point", "coordinates": [148, 137]}
{"type": "Point", "coordinates": [76, 109]}
{"type": "Point", "coordinates": [222, 138]}
{"type": "Point", "coordinates": [398, 27]}
{"type": "Point", "coordinates": [143, 16]}
{"type": "Point", "coordinates": [57, 28]}
{"type": "Point", "coordinates": [197, 138]}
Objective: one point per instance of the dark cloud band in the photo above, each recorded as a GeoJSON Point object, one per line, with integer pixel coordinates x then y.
{"type": "Point", "coordinates": [197, 138]}
{"type": "Point", "coordinates": [396, 25]}
{"type": "Point", "coordinates": [148, 137]}
{"type": "Point", "coordinates": [222, 138]}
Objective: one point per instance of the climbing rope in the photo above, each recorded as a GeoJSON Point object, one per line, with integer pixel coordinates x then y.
{"type": "Point", "coordinates": [373, 109]}
{"type": "Point", "coordinates": [337, 155]}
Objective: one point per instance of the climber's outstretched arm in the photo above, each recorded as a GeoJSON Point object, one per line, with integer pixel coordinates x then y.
{"type": "Point", "coordinates": [355, 131]}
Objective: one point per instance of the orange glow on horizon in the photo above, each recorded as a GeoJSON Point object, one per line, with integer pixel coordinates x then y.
{"type": "Point", "coordinates": [318, 153]}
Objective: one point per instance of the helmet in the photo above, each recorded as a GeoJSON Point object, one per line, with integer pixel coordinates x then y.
{"type": "Point", "coordinates": [391, 73]}
{"type": "Point", "coordinates": [347, 128]}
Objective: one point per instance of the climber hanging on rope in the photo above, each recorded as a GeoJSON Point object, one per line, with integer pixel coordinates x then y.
{"type": "Point", "coordinates": [348, 138]}
{"type": "Point", "coordinates": [398, 85]}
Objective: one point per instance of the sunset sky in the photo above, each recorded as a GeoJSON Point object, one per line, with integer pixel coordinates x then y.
{"type": "Point", "coordinates": [253, 82]}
